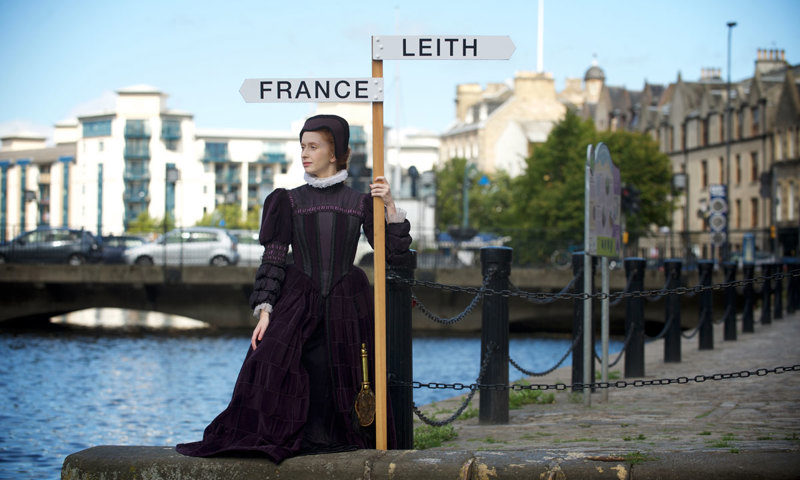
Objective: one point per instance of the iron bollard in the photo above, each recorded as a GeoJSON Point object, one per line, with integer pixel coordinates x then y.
{"type": "Point", "coordinates": [706, 328]}
{"type": "Point", "coordinates": [791, 287]}
{"type": "Point", "coordinates": [730, 301]}
{"type": "Point", "coordinates": [766, 295]}
{"type": "Point", "coordinates": [748, 319]}
{"type": "Point", "coordinates": [778, 310]}
{"type": "Point", "coordinates": [672, 321]}
{"type": "Point", "coordinates": [495, 263]}
{"type": "Point", "coordinates": [634, 319]}
{"type": "Point", "coordinates": [399, 357]}
{"type": "Point", "coordinates": [577, 322]}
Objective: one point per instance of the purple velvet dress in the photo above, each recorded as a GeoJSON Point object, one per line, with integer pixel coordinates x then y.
{"type": "Point", "coordinates": [295, 392]}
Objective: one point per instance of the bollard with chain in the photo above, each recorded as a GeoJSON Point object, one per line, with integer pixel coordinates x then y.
{"type": "Point", "coordinates": [577, 321]}
{"type": "Point", "coordinates": [634, 319]}
{"type": "Point", "coordinates": [730, 301]}
{"type": "Point", "coordinates": [399, 357]}
{"type": "Point", "coordinates": [748, 319]}
{"type": "Point", "coordinates": [778, 311]}
{"type": "Point", "coordinates": [672, 338]}
{"type": "Point", "coordinates": [791, 288]}
{"type": "Point", "coordinates": [496, 265]}
{"type": "Point", "coordinates": [766, 295]}
{"type": "Point", "coordinates": [706, 328]}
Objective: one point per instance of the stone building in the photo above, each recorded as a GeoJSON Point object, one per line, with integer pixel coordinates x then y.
{"type": "Point", "coordinates": [762, 172]}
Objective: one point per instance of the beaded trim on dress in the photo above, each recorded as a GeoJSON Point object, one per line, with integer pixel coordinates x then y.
{"type": "Point", "coordinates": [326, 182]}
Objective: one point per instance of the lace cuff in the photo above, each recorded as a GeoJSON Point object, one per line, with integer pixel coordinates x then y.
{"type": "Point", "coordinates": [263, 306]}
{"type": "Point", "coordinates": [398, 217]}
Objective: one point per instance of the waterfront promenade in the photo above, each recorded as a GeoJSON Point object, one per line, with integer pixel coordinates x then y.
{"type": "Point", "coordinates": [738, 428]}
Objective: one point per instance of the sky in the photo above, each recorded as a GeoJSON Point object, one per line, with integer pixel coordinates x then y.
{"type": "Point", "coordinates": [63, 59]}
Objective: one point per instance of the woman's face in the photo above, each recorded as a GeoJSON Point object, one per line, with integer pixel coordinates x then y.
{"type": "Point", "coordinates": [317, 155]}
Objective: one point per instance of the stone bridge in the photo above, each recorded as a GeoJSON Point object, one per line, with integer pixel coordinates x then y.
{"type": "Point", "coordinates": [219, 295]}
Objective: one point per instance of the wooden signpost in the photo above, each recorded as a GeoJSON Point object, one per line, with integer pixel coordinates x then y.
{"type": "Point", "coordinates": [392, 47]}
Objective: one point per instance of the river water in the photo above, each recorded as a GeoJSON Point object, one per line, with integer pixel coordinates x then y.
{"type": "Point", "coordinates": [67, 389]}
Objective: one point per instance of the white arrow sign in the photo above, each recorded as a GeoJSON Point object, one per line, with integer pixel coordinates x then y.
{"type": "Point", "coordinates": [432, 47]}
{"type": "Point", "coordinates": [279, 90]}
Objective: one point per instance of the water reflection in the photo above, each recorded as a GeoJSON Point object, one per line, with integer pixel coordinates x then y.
{"type": "Point", "coordinates": [67, 389]}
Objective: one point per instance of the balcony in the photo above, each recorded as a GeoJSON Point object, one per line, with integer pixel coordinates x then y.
{"type": "Point", "coordinates": [136, 174]}
{"type": "Point", "coordinates": [271, 158]}
{"type": "Point", "coordinates": [230, 178]}
{"type": "Point", "coordinates": [136, 196]}
{"type": "Point", "coordinates": [137, 152]}
{"type": "Point", "coordinates": [216, 157]}
{"type": "Point", "coordinates": [170, 131]}
{"type": "Point", "coordinates": [137, 130]}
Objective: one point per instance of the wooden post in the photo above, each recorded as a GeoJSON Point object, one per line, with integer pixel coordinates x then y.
{"type": "Point", "coordinates": [379, 241]}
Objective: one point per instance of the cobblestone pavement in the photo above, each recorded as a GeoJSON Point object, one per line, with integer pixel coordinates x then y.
{"type": "Point", "coordinates": [736, 416]}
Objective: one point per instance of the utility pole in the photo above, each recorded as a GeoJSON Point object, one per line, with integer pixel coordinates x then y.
{"type": "Point", "coordinates": [729, 114]}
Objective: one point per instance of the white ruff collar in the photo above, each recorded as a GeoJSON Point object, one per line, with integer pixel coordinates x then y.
{"type": "Point", "coordinates": [326, 182]}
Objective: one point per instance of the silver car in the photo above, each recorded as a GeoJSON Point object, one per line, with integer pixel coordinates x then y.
{"type": "Point", "coordinates": [187, 246]}
{"type": "Point", "coordinates": [249, 248]}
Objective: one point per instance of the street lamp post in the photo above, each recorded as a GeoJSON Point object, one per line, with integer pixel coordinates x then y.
{"type": "Point", "coordinates": [729, 114]}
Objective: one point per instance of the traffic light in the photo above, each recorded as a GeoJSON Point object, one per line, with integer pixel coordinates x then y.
{"type": "Point", "coordinates": [629, 199]}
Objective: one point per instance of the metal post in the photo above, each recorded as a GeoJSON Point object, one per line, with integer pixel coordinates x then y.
{"type": "Point", "coordinates": [495, 263]}
{"type": "Point", "coordinates": [749, 299]}
{"type": "Point", "coordinates": [604, 327]}
{"type": "Point", "coordinates": [730, 301]}
{"type": "Point", "coordinates": [778, 311]}
{"type": "Point", "coordinates": [706, 333]}
{"type": "Point", "coordinates": [577, 323]}
{"type": "Point", "coordinates": [399, 358]}
{"type": "Point", "coordinates": [766, 295]}
{"type": "Point", "coordinates": [792, 287]}
{"type": "Point", "coordinates": [672, 338]}
{"type": "Point", "coordinates": [634, 319]}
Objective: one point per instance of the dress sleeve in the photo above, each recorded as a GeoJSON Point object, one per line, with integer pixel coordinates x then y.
{"type": "Point", "coordinates": [398, 238]}
{"type": "Point", "coordinates": [275, 236]}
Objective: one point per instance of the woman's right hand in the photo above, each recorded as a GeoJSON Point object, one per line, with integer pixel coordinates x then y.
{"type": "Point", "coordinates": [261, 327]}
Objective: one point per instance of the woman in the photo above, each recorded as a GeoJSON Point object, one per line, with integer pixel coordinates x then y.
{"type": "Point", "coordinates": [296, 390]}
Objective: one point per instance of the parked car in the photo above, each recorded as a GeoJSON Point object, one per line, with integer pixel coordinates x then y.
{"type": "Point", "coordinates": [53, 245]}
{"type": "Point", "coordinates": [115, 246]}
{"type": "Point", "coordinates": [249, 248]}
{"type": "Point", "coordinates": [187, 246]}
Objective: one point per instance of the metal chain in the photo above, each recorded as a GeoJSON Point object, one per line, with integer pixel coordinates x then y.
{"type": "Point", "coordinates": [457, 318]}
{"type": "Point", "coordinates": [619, 355]}
{"type": "Point", "coordinates": [628, 284]}
{"type": "Point", "coordinates": [663, 330]}
{"type": "Point", "coordinates": [490, 348]}
{"type": "Point", "coordinates": [541, 374]}
{"type": "Point", "coordinates": [647, 294]}
{"type": "Point", "coordinates": [567, 288]}
{"type": "Point", "coordinates": [761, 372]}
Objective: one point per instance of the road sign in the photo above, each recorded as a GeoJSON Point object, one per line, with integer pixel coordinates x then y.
{"type": "Point", "coordinates": [718, 218]}
{"type": "Point", "coordinates": [279, 90]}
{"type": "Point", "coordinates": [446, 47]}
{"type": "Point", "coordinates": [604, 204]}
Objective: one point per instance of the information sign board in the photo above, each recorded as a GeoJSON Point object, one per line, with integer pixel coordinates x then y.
{"type": "Point", "coordinates": [280, 90]}
{"type": "Point", "coordinates": [443, 47]}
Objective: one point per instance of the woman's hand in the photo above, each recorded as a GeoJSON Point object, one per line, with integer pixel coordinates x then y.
{"type": "Point", "coordinates": [381, 189]}
{"type": "Point", "coordinates": [258, 332]}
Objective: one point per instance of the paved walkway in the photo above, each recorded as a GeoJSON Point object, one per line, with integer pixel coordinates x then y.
{"type": "Point", "coordinates": [729, 429]}
{"type": "Point", "coordinates": [737, 415]}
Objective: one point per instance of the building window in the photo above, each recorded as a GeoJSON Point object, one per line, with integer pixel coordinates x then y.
{"type": "Point", "coordinates": [721, 127]}
{"type": "Point", "coordinates": [753, 167]}
{"type": "Point", "coordinates": [100, 146]}
{"type": "Point", "coordinates": [740, 124]}
{"type": "Point", "coordinates": [171, 133]}
{"type": "Point", "coordinates": [738, 218]}
{"type": "Point", "coordinates": [756, 125]}
{"type": "Point", "coordinates": [97, 128]}
{"type": "Point", "coordinates": [704, 132]}
{"type": "Point", "coordinates": [216, 152]}
{"type": "Point", "coordinates": [722, 171]}
{"type": "Point", "coordinates": [703, 174]}
{"type": "Point", "coordinates": [738, 169]}
{"type": "Point", "coordinates": [754, 212]}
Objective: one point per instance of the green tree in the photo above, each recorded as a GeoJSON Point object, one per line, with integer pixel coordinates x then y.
{"type": "Point", "coordinates": [144, 223]}
{"type": "Point", "coordinates": [231, 216]}
{"type": "Point", "coordinates": [642, 165]}
{"type": "Point", "coordinates": [547, 212]}
{"type": "Point", "coordinates": [548, 207]}
{"type": "Point", "coordinates": [488, 200]}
